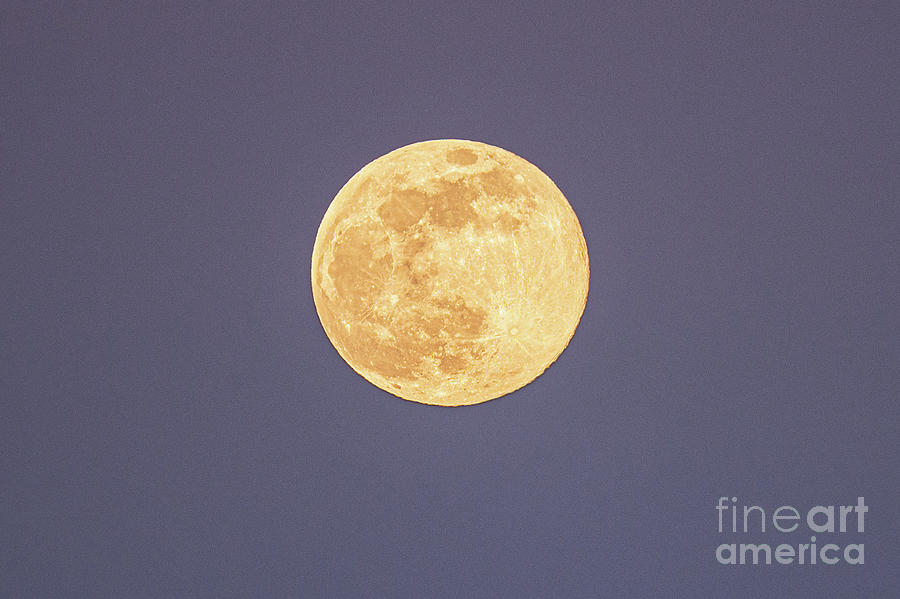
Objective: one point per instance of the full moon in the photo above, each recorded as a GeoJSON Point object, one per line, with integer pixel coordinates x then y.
{"type": "Point", "coordinates": [450, 272]}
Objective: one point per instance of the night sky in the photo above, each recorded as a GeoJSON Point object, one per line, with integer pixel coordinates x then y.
{"type": "Point", "coordinates": [175, 423]}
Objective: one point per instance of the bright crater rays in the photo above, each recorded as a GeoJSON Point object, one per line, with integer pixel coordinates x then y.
{"type": "Point", "coordinates": [450, 272]}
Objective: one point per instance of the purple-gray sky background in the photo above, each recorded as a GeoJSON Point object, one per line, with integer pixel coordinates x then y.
{"type": "Point", "coordinates": [174, 422]}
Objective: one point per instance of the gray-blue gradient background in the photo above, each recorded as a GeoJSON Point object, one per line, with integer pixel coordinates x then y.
{"type": "Point", "coordinates": [174, 422]}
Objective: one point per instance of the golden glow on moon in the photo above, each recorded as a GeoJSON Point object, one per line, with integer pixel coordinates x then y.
{"type": "Point", "coordinates": [450, 272]}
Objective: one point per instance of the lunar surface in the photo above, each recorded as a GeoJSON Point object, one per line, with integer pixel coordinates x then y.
{"type": "Point", "coordinates": [450, 272]}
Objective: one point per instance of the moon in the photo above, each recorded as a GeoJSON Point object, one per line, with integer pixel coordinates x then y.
{"type": "Point", "coordinates": [450, 272]}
